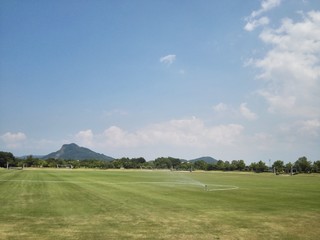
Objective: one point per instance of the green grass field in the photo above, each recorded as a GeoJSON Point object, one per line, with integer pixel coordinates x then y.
{"type": "Point", "coordinates": [115, 204]}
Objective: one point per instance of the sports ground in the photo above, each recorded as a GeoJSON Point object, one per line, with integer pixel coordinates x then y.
{"type": "Point", "coordinates": [119, 204]}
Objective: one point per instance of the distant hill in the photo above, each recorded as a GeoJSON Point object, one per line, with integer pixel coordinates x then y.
{"type": "Point", "coordinates": [74, 152]}
{"type": "Point", "coordinates": [206, 159]}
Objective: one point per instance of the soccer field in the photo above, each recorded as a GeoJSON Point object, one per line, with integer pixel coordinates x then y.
{"type": "Point", "coordinates": [119, 204]}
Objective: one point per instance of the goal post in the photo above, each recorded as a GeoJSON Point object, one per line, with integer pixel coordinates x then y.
{"type": "Point", "coordinates": [68, 166]}
{"type": "Point", "coordinates": [13, 167]}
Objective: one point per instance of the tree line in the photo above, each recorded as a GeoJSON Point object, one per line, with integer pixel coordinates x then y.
{"type": "Point", "coordinates": [302, 165]}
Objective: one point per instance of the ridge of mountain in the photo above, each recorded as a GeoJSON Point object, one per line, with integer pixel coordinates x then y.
{"type": "Point", "coordinates": [74, 152]}
{"type": "Point", "coordinates": [207, 159]}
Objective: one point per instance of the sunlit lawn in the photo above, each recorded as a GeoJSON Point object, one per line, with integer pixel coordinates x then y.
{"type": "Point", "coordinates": [119, 204]}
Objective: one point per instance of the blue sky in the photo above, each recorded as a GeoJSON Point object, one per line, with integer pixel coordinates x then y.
{"type": "Point", "coordinates": [228, 79]}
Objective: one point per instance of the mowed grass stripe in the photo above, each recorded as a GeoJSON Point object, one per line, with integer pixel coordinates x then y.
{"type": "Point", "coordinates": [51, 207]}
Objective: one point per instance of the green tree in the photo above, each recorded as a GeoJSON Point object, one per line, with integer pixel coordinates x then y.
{"type": "Point", "coordinates": [117, 163]}
{"type": "Point", "coordinates": [167, 162]}
{"type": "Point", "coordinates": [186, 166]}
{"type": "Point", "coordinates": [138, 162]}
{"type": "Point", "coordinates": [30, 161]}
{"type": "Point", "coordinates": [288, 167]}
{"type": "Point", "coordinates": [51, 162]}
{"type": "Point", "coordinates": [253, 166]}
{"type": "Point", "coordinates": [237, 165]}
{"type": "Point", "coordinates": [7, 157]}
{"type": "Point", "coordinates": [175, 162]}
{"type": "Point", "coordinates": [303, 165]}
{"type": "Point", "coordinates": [149, 165]}
{"type": "Point", "coordinates": [220, 165]}
{"type": "Point", "coordinates": [262, 167]}
{"type": "Point", "coordinates": [241, 165]}
{"type": "Point", "coordinates": [278, 166]}
{"type": "Point", "coordinates": [258, 167]}
{"type": "Point", "coordinates": [200, 165]}
{"type": "Point", "coordinates": [75, 163]}
{"type": "Point", "coordinates": [227, 165]}
{"type": "Point", "coordinates": [316, 166]}
{"type": "Point", "coordinates": [234, 165]}
{"type": "Point", "coordinates": [211, 166]}
{"type": "Point", "coordinates": [163, 163]}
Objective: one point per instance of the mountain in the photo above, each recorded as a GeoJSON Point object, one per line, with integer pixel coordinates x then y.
{"type": "Point", "coordinates": [206, 159]}
{"type": "Point", "coordinates": [74, 152]}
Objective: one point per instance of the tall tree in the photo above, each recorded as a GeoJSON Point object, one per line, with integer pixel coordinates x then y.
{"type": "Point", "coordinates": [258, 167]}
{"type": "Point", "coordinates": [303, 165]}
{"type": "Point", "coordinates": [241, 165]}
{"type": "Point", "coordinates": [288, 167]}
{"type": "Point", "coordinates": [262, 167]}
{"type": "Point", "coordinates": [220, 165]}
{"type": "Point", "coordinates": [316, 166]}
{"type": "Point", "coordinates": [278, 166]}
{"type": "Point", "coordinates": [201, 165]}
{"type": "Point", "coordinates": [7, 157]}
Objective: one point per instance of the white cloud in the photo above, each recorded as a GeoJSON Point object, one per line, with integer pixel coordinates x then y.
{"type": "Point", "coordinates": [291, 68]}
{"type": "Point", "coordinates": [220, 107]}
{"type": "Point", "coordinates": [266, 5]}
{"type": "Point", "coordinates": [304, 129]}
{"type": "Point", "coordinates": [170, 136]}
{"type": "Point", "coordinates": [183, 132]}
{"type": "Point", "coordinates": [311, 127]}
{"type": "Point", "coordinates": [13, 140]}
{"type": "Point", "coordinates": [263, 141]}
{"type": "Point", "coordinates": [290, 73]}
{"type": "Point", "coordinates": [193, 137]}
{"type": "Point", "coordinates": [253, 24]}
{"type": "Point", "coordinates": [169, 59]}
{"type": "Point", "coordinates": [235, 112]}
{"type": "Point", "coordinates": [246, 112]}
{"type": "Point", "coordinates": [85, 137]}
{"type": "Point", "coordinates": [253, 21]}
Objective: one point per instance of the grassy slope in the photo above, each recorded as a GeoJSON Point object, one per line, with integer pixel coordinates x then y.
{"type": "Point", "coordinates": [90, 206]}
